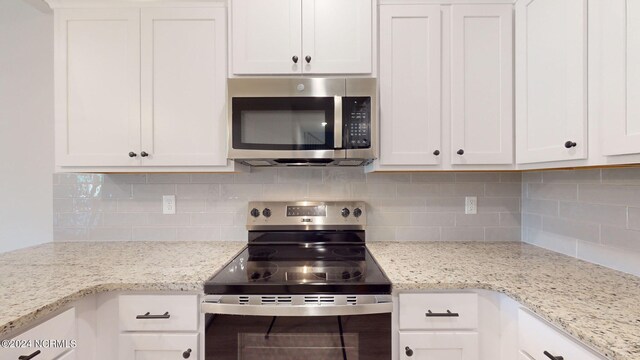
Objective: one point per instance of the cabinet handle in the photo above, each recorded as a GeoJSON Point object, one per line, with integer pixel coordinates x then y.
{"type": "Point", "coordinates": [570, 144]}
{"type": "Point", "coordinates": [132, 154]}
{"type": "Point", "coordinates": [29, 357]}
{"type": "Point", "coordinates": [553, 357]}
{"type": "Point", "coordinates": [447, 314]}
{"type": "Point", "coordinates": [186, 354]}
{"type": "Point", "coordinates": [295, 59]}
{"type": "Point", "coordinates": [308, 59]}
{"type": "Point", "coordinates": [408, 351]}
{"type": "Point", "coordinates": [460, 152]}
{"type": "Point", "coordinates": [436, 153]}
{"type": "Point", "coordinates": [149, 316]}
{"type": "Point", "coordinates": [144, 154]}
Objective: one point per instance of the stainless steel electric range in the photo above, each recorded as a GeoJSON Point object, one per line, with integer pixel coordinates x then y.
{"type": "Point", "coordinates": [305, 287]}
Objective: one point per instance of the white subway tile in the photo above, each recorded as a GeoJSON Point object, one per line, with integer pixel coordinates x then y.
{"type": "Point", "coordinates": [433, 177]}
{"type": "Point", "coordinates": [463, 189]}
{"type": "Point", "coordinates": [583, 176]}
{"type": "Point", "coordinates": [388, 178]}
{"type": "Point", "coordinates": [200, 233]}
{"type": "Point", "coordinates": [198, 191]}
{"type": "Point", "coordinates": [299, 176]}
{"type": "Point", "coordinates": [623, 176]}
{"type": "Point", "coordinates": [491, 219]}
{"type": "Point", "coordinates": [620, 238]}
{"type": "Point", "coordinates": [212, 219]}
{"type": "Point", "coordinates": [553, 191]}
{"type": "Point", "coordinates": [373, 191]}
{"type": "Point", "coordinates": [110, 234]}
{"type": "Point", "coordinates": [503, 189]}
{"type": "Point", "coordinates": [511, 177]}
{"type": "Point", "coordinates": [477, 177]}
{"type": "Point", "coordinates": [152, 191]}
{"type": "Point", "coordinates": [381, 233]}
{"type": "Point", "coordinates": [433, 219]}
{"type": "Point", "coordinates": [510, 219]}
{"type": "Point", "coordinates": [502, 233]}
{"type": "Point", "coordinates": [211, 178]}
{"type": "Point", "coordinates": [398, 205]}
{"type": "Point", "coordinates": [418, 233]}
{"type": "Point", "coordinates": [462, 234]}
{"type": "Point", "coordinates": [594, 213]}
{"type": "Point", "coordinates": [154, 234]}
{"type": "Point", "coordinates": [634, 218]}
{"type": "Point", "coordinates": [610, 194]}
{"type": "Point", "coordinates": [233, 233]}
{"type": "Point", "coordinates": [284, 192]}
{"type": "Point", "coordinates": [571, 228]}
{"type": "Point", "coordinates": [168, 178]}
{"type": "Point", "coordinates": [418, 190]}
{"type": "Point", "coordinates": [343, 175]}
{"type": "Point", "coordinates": [540, 207]}
{"type": "Point", "coordinates": [168, 220]}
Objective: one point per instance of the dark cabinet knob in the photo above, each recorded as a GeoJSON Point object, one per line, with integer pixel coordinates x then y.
{"type": "Point", "coordinates": [436, 153]}
{"type": "Point", "coordinates": [408, 351]}
{"type": "Point", "coordinates": [460, 152]}
{"type": "Point", "coordinates": [570, 144]}
{"type": "Point", "coordinates": [547, 354]}
{"type": "Point", "coordinates": [186, 354]}
{"type": "Point", "coordinates": [132, 154]}
{"type": "Point", "coordinates": [144, 154]}
{"type": "Point", "coordinates": [307, 59]}
{"type": "Point", "coordinates": [295, 59]}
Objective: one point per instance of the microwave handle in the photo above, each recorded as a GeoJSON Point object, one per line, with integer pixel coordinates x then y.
{"type": "Point", "coordinates": [337, 122]}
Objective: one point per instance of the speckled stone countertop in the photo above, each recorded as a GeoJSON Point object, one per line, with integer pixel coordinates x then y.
{"type": "Point", "coordinates": [597, 305]}
{"type": "Point", "coordinates": [39, 280]}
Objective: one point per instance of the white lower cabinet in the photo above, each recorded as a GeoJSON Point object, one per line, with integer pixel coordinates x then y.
{"type": "Point", "coordinates": [158, 346]}
{"type": "Point", "coordinates": [439, 346]}
{"type": "Point", "coordinates": [541, 341]}
{"type": "Point", "coordinates": [62, 327]}
{"type": "Point", "coordinates": [71, 355]}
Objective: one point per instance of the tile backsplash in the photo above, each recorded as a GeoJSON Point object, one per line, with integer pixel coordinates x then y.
{"type": "Point", "coordinates": [402, 206]}
{"type": "Point", "coordinates": [591, 214]}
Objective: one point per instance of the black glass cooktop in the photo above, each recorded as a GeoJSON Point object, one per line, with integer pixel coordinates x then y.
{"type": "Point", "coordinates": [300, 269]}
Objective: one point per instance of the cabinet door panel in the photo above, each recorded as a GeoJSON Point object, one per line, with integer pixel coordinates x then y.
{"type": "Point", "coordinates": [410, 89]}
{"type": "Point", "coordinates": [183, 86]}
{"type": "Point", "coordinates": [440, 346]}
{"type": "Point", "coordinates": [97, 87]}
{"type": "Point", "coordinates": [158, 346]}
{"type": "Point", "coordinates": [551, 85]}
{"type": "Point", "coordinates": [482, 84]}
{"type": "Point", "coordinates": [266, 34]}
{"type": "Point", "coordinates": [620, 75]}
{"type": "Point", "coordinates": [336, 35]}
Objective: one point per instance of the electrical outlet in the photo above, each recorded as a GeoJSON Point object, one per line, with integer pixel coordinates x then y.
{"type": "Point", "coordinates": [168, 204]}
{"type": "Point", "coordinates": [471, 205]}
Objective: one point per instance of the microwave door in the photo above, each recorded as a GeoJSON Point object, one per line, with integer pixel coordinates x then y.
{"type": "Point", "coordinates": [286, 123]}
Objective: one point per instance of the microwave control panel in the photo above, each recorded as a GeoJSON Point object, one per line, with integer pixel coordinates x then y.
{"type": "Point", "coordinates": [356, 119]}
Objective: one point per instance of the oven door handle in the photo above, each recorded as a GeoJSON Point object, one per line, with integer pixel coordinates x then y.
{"type": "Point", "coordinates": [296, 310]}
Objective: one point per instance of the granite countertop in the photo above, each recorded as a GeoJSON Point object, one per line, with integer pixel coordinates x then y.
{"type": "Point", "coordinates": [39, 280]}
{"type": "Point", "coordinates": [597, 305]}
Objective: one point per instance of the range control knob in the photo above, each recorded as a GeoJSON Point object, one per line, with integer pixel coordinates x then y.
{"type": "Point", "coordinates": [345, 212]}
{"type": "Point", "coordinates": [266, 212]}
{"type": "Point", "coordinates": [255, 212]}
{"type": "Point", "coordinates": [357, 212]}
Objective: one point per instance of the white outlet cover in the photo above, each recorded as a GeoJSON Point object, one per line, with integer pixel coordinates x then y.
{"type": "Point", "coordinates": [471, 205]}
{"type": "Point", "coordinates": [168, 204]}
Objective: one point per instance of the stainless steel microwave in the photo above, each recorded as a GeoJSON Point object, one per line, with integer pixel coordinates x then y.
{"type": "Point", "coordinates": [302, 121]}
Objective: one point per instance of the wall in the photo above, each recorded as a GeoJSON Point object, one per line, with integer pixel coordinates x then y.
{"type": "Point", "coordinates": [26, 125]}
{"type": "Point", "coordinates": [403, 206]}
{"type": "Point", "coordinates": [589, 214]}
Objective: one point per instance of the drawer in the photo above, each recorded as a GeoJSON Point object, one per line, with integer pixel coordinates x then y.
{"type": "Point", "coordinates": [158, 312]}
{"type": "Point", "coordinates": [159, 346]}
{"type": "Point", "coordinates": [537, 336]}
{"type": "Point", "coordinates": [439, 311]}
{"type": "Point", "coordinates": [60, 328]}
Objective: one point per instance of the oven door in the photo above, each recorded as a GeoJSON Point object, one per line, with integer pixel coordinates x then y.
{"type": "Point", "coordinates": [316, 332]}
{"type": "Point", "coordinates": [274, 126]}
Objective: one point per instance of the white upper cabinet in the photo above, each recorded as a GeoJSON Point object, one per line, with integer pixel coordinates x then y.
{"type": "Point", "coordinates": [551, 80]}
{"type": "Point", "coordinates": [619, 41]}
{"type": "Point", "coordinates": [279, 37]}
{"type": "Point", "coordinates": [97, 87]}
{"type": "Point", "coordinates": [336, 36]}
{"type": "Point", "coordinates": [183, 86]}
{"type": "Point", "coordinates": [481, 84]}
{"type": "Point", "coordinates": [410, 84]}
{"type": "Point", "coordinates": [266, 36]}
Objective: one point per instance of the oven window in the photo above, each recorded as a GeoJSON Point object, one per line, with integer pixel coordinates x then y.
{"type": "Point", "coordinates": [297, 123]}
{"type": "Point", "coordinates": [360, 337]}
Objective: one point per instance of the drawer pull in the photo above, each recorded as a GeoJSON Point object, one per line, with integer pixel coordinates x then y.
{"type": "Point", "coordinates": [408, 351]}
{"type": "Point", "coordinates": [553, 357]}
{"type": "Point", "coordinates": [29, 357]}
{"type": "Point", "coordinates": [447, 314]}
{"type": "Point", "coordinates": [149, 316]}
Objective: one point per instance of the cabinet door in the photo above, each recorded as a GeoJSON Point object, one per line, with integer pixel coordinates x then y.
{"type": "Point", "coordinates": [97, 76]}
{"type": "Point", "coordinates": [70, 355]}
{"type": "Point", "coordinates": [183, 86]}
{"type": "Point", "coordinates": [619, 41]}
{"type": "Point", "coordinates": [482, 84]}
{"type": "Point", "coordinates": [551, 83]}
{"type": "Point", "coordinates": [440, 346]}
{"type": "Point", "coordinates": [158, 346]}
{"type": "Point", "coordinates": [336, 36]}
{"type": "Point", "coordinates": [410, 89]}
{"type": "Point", "coordinates": [266, 36]}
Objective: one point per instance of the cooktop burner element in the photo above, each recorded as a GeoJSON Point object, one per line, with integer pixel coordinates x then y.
{"type": "Point", "coordinates": [303, 248]}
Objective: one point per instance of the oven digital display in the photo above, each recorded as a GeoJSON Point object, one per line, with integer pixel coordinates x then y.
{"type": "Point", "coordinates": [316, 210]}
